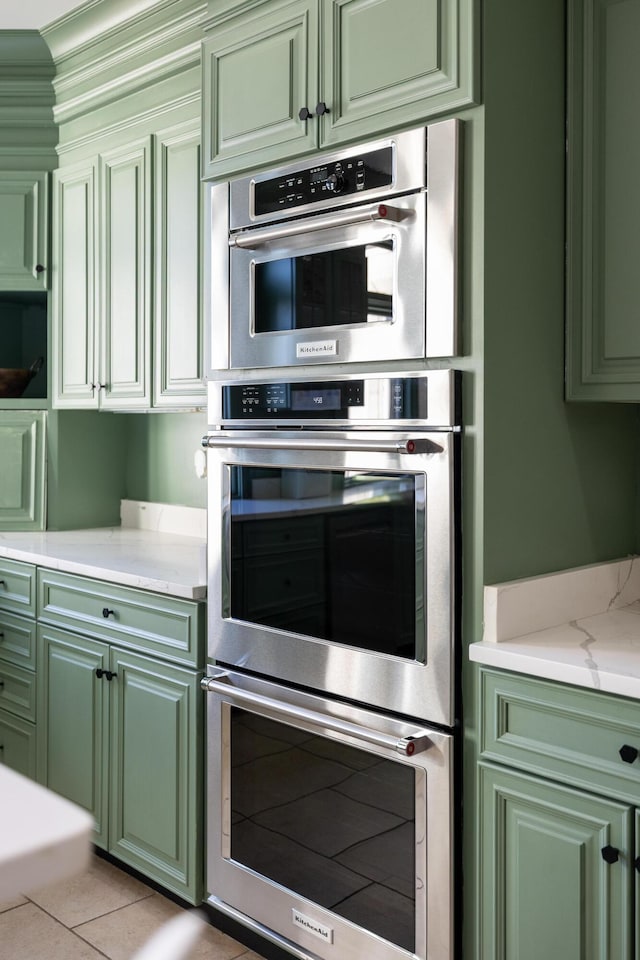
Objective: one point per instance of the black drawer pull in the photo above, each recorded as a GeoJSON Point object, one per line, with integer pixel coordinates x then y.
{"type": "Point", "coordinates": [99, 673]}
{"type": "Point", "coordinates": [1, 684]}
{"type": "Point", "coordinates": [628, 753]}
{"type": "Point", "coordinates": [636, 864]}
{"type": "Point", "coordinates": [106, 613]}
{"type": "Point", "coordinates": [109, 675]}
{"type": "Point", "coordinates": [610, 854]}
{"type": "Point", "coordinates": [1, 636]}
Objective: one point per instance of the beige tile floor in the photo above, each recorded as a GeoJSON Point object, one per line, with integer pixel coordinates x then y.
{"type": "Point", "coordinates": [103, 913]}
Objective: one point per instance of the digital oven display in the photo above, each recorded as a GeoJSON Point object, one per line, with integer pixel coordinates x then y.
{"type": "Point", "coordinates": [316, 399]}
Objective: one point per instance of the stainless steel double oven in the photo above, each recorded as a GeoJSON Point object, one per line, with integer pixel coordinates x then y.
{"type": "Point", "coordinates": [332, 699]}
{"type": "Point", "coordinates": [333, 527]}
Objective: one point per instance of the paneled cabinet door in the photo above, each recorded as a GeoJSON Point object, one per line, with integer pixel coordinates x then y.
{"type": "Point", "coordinates": [23, 470]}
{"type": "Point", "coordinates": [178, 340]}
{"type": "Point", "coordinates": [156, 758]}
{"type": "Point", "coordinates": [258, 74]}
{"type": "Point", "coordinates": [73, 727]}
{"type": "Point", "coordinates": [389, 64]}
{"type": "Point", "coordinates": [74, 317]}
{"type": "Point", "coordinates": [24, 204]}
{"type": "Point", "coordinates": [546, 889]}
{"type": "Point", "coordinates": [603, 208]}
{"type": "Point", "coordinates": [125, 277]}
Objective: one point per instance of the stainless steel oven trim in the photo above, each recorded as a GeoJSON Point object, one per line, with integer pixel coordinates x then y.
{"type": "Point", "coordinates": [409, 162]}
{"type": "Point", "coordinates": [441, 402]}
{"type": "Point", "coordinates": [422, 690]}
{"type": "Point", "coordinates": [242, 892]}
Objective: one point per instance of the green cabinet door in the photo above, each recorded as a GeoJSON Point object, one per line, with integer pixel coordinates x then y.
{"type": "Point", "coordinates": [73, 727]}
{"type": "Point", "coordinates": [74, 309]}
{"type": "Point", "coordinates": [22, 459]}
{"type": "Point", "coordinates": [389, 64]}
{"type": "Point", "coordinates": [259, 71]}
{"type": "Point", "coordinates": [125, 277]}
{"type": "Point", "coordinates": [178, 334]}
{"type": "Point", "coordinates": [156, 770]}
{"type": "Point", "coordinates": [24, 235]}
{"type": "Point", "coordinates": [603, 280]}
{"type": "Point", "coordinates": [545, 888]}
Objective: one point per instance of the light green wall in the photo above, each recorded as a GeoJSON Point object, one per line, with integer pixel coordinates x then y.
{"type": "Point", "coordinates": [160, 451]}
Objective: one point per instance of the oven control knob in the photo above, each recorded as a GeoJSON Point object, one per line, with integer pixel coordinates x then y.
{"type": "Point", "coordinates": [335, 183]}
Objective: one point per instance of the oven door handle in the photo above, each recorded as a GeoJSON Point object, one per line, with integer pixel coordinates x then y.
{"type": "Point", "coordinates": [381, 212]}
{"type": "Point", "coordinates": [410, 446]}
{"type": "Point", "coordinates": [415, 742]}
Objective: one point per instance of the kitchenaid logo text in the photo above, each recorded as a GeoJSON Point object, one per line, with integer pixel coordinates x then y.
{"type": "Point", "coordinates": [317, 348]}
{"type": "Point", "coordinates": [312, 926]}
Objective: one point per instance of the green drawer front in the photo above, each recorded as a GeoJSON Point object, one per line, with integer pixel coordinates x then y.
{"type": "Point", "coordinates": [18, 744]}
{"type": "Point", "coordinates": [18, 691]}
{"type": "Point", "coordinates": [566, 733]}
{"type": "Point", "coordinates": [167, 626]}
{"type": "Point", "coordinates": [17, 640]}
{"type": "Point", "coordinates": [18, 587]}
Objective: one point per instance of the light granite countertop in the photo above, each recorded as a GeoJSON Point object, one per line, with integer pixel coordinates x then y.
{"type": "Point", "coordinates": [579, 626]}
{"type": "Point", "coordinates": [158, 547]}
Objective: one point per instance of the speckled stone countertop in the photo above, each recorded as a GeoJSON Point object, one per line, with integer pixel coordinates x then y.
{"type": "Point", "coordinates": [579, 626]}
{"type": "Point", "coordinates": [159, 547]}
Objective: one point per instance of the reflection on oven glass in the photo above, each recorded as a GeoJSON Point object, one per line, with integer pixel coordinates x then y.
{"type": "Point", "coordinates": [336, 287]}
{"type": "Point", "coordinates": [330, 822]}
{"type": "Point", "coordinates": [327, 554]}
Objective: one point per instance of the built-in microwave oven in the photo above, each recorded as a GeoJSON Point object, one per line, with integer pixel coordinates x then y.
{"type": "Point", "coordinates": [349, 258]}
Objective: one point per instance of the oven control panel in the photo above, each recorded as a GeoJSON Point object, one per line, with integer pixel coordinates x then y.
{"type": "Point", "coordinates": [350, 175]}
{"type": "Point", "coordinates": [299, 402]}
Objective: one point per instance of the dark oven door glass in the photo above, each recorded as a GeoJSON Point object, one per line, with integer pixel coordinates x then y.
{"type": "Point", "coordinates": [332, 823]}
{"type": "Point", "coordinates": [353, 284]}
{"type": "Point", "coordinates": [331, 554]}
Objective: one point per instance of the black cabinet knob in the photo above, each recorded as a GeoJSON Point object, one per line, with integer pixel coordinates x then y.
{"type": "Point", "coordinates": [110, 675]}
{"type": "Point", "coordinates": [321, 108]}
{"type": "Point", "coordinates": [40, 268]}
{"type": "Point", "coordinates": [304, 113]}
{"type": "Point", "coordinates": [636, 864]}
{"type": "Point", "coordinates": [628, 753]}
{"type": "Point", "coordinates": [610, 854]}
{"type": "Point", "coordinates": [99, 673]}
{"type": "Point", "coordinates": [2, 583]}
{"type": "Point", "coordinates": [106, 613]}
{"type": "Point", "coordinates": [1, 636]}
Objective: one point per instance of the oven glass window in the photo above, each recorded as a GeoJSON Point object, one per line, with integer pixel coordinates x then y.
{"type": "Point", "coordinates": [329, 554]}
{"type": "Point", "coordinates": [328, 821]}
{"type": "Point", "coordinates": [345, 286]}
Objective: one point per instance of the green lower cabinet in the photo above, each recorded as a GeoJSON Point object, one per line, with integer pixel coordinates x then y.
{"type": "Point", "coordinates": [546, 888]}
{"type": "Point", "coordinates": [18, 744]}
{"type": "Point", "coordinates": [121, 735]}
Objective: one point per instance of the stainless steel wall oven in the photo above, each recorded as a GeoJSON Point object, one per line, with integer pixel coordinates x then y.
{"type": "Point", "coordinates": [350, 259]}
{"type": "Point", "coordinates": [332, 624]}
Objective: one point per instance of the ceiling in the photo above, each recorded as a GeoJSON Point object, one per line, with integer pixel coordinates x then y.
{"type": "Point", "coordinates": [33, 14]}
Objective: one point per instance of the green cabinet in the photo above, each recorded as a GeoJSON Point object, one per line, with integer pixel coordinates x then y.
{"type": "Point", "coordinates": [127, 314]}
{"type": "Point", "coordinates": [24, 206]}
{"type": "Point", "coordinates": [331, 72]}
{"type": "Point", "coordinates": [559, 789]}
{"type": "Point", "coordinates": [122, 731]}
{"type": "Point", "coordinates": [22, 454]}
{"type": "Point", "coordinates": [603, 213]}
{"type": "Point", "coordinates": [17, 666]}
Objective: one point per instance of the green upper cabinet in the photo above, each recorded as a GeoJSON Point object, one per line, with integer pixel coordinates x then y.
{"type": "Point", "coordinates": [125, 276]}
{"type": "Point", "coordinates": [24, 206]}
{"type": "Point", "coordinates": [177, 324]}
{"type": "Point", "coordinates": [603, 283]}
{"type": "Point", "coordinates": [74, 308]}
{"type": "Point", "coordinates": [282, 79]}
{"type": "Point", "coordinates": [128, 223]}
